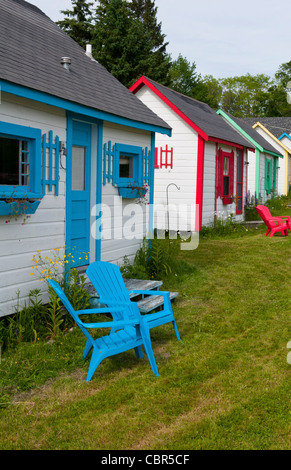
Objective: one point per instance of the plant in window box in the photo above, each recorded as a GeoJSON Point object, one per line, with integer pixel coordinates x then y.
{"type": "Point", "coordinates": [134, 192]}
{"type": "Point", "coordinates": [18, 207]}
{"type": "Point", "coordinates": [229, 199]}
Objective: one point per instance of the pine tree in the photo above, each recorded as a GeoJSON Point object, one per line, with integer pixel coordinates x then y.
{"type": "Point", "coordinates": [78, 22]}
{"type": "Point", "coordinates": [123, 43]}
{"type": "Point", "coordinates": [159, 63]}
{"type": "Point", "coordinates": [125, 35]}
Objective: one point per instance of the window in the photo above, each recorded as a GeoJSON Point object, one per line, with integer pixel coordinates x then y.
{"type": "Point", "coordinates": [15, 169]}
{"type": "Point", "coordinates": [20, 161]}
{"type": "Point", "coordinates": [225, 176]}
{"type": "Point", "coordinates": [78, 168]}
{"type": "Point", "coordinates": [127, 165]}
{"type": "Point", "coordinates": [239, 182]}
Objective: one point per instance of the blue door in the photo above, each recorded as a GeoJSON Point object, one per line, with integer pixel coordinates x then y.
{"type": "Point", "coordinates": [79, 194]}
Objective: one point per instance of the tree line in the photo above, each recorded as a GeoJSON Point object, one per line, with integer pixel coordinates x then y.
{"type": "Point", "coordinates": [127, 39]}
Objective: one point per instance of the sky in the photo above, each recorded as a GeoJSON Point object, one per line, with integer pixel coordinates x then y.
{"type": "Point", "coordinates": [224, 38]}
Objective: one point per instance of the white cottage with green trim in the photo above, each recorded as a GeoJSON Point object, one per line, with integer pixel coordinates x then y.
{"type": "Point", "coordinates": [263, 163]}
{"type": "Point", "coordinates": [71, 138]}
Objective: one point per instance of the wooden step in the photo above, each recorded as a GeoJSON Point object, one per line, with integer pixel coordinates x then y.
{"type": "Point", "coordinates": [151, 302]}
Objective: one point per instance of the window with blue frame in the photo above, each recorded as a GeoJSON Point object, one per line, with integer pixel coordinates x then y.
{"type": "Point", "coordinates": [127, 165]}
{"type": "Point", "coordinates": [20, 161]}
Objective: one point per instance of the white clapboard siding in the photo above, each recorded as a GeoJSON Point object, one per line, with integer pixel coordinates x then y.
{"type": "Point", "coordinates": [280, 161]}
{"type": "Point", "coordinates": [116, 217]}
{"type": "Point", "coordinates": [184, 142]}
{"type": "Point", "coordinates": [20, 239]}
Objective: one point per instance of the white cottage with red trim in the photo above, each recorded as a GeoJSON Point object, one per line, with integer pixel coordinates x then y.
{"type": "Point", "coordinates": [205, 158]}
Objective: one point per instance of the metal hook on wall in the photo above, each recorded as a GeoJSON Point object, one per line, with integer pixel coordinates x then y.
{"type": "Point", "coordinates": [170, 184]}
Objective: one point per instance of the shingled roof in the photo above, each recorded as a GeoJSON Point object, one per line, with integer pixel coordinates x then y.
{"type": "Point", "coordinates": [202, 115]}
{"type": "Point", "coordinates": [31, 48]}
{"type": "Point", "coordinates": [276, 125]}
{"type": "Point", "coordinates": [247, 127]}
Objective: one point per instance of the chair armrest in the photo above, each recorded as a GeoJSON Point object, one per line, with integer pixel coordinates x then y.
{"type": "Point", "coordinates": [91, 311]}
{"type": "Point", "coordinates": [276, 219]}
{"type": "Point", "coordinates": [111, 324]}
{"type": "Point", "coordinates": [150, 292]}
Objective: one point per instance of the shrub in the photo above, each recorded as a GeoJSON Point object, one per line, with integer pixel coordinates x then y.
{"type": "Point", "coordinates": [156, 258]}
{"type": "Point", "coordinates": [37, 321]}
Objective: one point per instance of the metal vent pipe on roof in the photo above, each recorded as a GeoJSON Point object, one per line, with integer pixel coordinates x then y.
{"type": "Point", "coordinates": [89, 50]}
{"type": "Point", "coordinates": [66, 62]}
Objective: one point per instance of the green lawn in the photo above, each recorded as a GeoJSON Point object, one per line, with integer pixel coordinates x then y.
{"type": "Point", "coordinates": [226, 385]}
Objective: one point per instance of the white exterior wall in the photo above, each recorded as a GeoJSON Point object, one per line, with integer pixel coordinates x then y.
{"type": "Point", "coordinates": [222, 210]}
{"type": "Point", "coordinates": [128, 225]}
{"type": "Point", "coordinates": [251, 173]}
{"type": "Point", "coordinates": [46, 229]}
{"type": "Point", "coordinates": [287, 142]}
{"type": "Point", "coordinates": [281, 161]}
{"type": "Point", "coordinates": [43, 230]}
{"type": "Point", "coordinates": [184, 141]}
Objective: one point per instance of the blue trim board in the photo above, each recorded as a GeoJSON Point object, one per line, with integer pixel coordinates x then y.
{"type": "Point", "coordinates": [285, 135]}
{"type": "Point", "coordinates": [68, 178]}
{"type": "Point", "coordinates": [99, 181]}
{"type": "Point", "coordinates": [152, 185]}
{"type": "Point", "coordinates": [70, 106]}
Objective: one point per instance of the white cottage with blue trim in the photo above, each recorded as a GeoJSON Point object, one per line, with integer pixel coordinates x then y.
{"type": "Point", "coordinates": [71, 138]}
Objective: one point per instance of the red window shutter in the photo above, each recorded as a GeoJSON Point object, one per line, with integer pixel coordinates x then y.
{"type": "Point", "coordinates": [156, 158]}
{"type": "Point", "coordinates": [167, 160]}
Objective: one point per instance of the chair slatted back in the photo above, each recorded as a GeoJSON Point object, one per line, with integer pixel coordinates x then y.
{"type": "Point", "coordinates": [109, 284]}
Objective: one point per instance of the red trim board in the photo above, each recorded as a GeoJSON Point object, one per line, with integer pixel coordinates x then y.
{"type": "Point", "coordinates": [199, 185]}
{"type": "Point", "coordinates": [143, 81]}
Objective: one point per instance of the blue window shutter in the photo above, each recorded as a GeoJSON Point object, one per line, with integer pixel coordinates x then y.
{"type": "Point", "coordinates": [50, 158]}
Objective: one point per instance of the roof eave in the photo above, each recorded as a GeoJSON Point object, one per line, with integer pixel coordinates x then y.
{"type": "Point", "coordinates": [143, 81]}
{"type": "Point", "coordinates": [52, 100]}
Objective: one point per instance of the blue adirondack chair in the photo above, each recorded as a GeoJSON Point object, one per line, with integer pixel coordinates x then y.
{"type": "Point", "coordinates": [109, 284]}
{"type": "Point", "coordinates": [127, 331]}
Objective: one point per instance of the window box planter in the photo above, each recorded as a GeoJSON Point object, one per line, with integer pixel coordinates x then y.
{"type": "Point", "coordinates": [227, 200]}
{"type": "Point", "coordinates": [132, 193]}
{"type": "Point", "coordinates": [18, 207]}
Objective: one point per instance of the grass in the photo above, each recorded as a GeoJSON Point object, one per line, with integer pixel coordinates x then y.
{"type": "Point", "coordinates": [226, 385]}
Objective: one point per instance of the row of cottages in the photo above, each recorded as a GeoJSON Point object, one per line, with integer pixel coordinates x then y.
{"type": "Point", "coordinates": [210, 161]}
{"type": "Point", "coordinates": [266, 167]}
{"type": "Point", "coordinates": [277, 131]}
{"type": "Point", "coordinates": [71, 137]}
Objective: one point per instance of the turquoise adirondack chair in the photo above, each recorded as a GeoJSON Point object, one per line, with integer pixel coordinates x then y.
{"type": "Point", "coordinates": [109, 284]}
{"type": "Point", "coordinates": [127, 331]}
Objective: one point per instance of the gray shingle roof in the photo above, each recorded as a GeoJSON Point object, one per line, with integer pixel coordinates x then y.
{"type": "Point", "coordinates": [202, 115]}
{"type": "Point", "coordinates": [247, 127]}
{"type": "Point", "coordinates": [31, 48]}
{"type": "Point", "coordinates": [276, 125]}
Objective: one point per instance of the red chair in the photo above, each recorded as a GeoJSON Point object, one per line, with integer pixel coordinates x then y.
{"type": "Point", "coordinates": [274, 224]}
